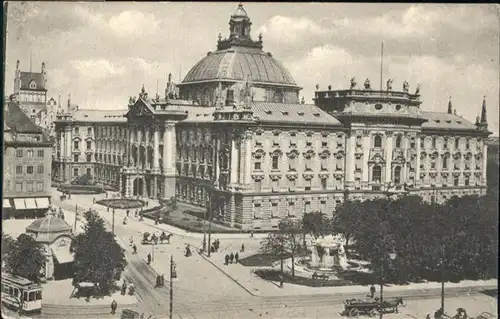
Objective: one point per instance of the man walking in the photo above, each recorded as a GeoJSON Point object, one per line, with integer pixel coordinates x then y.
{"type": "Point", "coordinates": [372, 291]}
{"type": "Point", "coordinates": [149, 258]}
{"type": "Point", "coordinates": [113, 307]}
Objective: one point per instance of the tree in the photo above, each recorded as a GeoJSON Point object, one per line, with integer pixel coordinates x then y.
{"type": "Point", "coordinates": [346, 220]}
{"type": "Point", "coordinates": [284, 242]}
{"type": "Point", "coordinates": [98, 257]}
{"type": "Point", "coordinates": [25, 258]}
{"type": "Point", "coordinates": [7, 243]}
{"type": "Point", "coordinates": [315, 223]}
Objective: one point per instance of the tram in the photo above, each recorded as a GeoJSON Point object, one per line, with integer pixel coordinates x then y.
{"type": "Point", "coordinates": [19, 291]}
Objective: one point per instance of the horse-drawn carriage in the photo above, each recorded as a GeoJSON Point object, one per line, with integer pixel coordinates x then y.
{"type": "Point", "coordinates": [152, 239]}
{"type": "Point", "coordinates": [371, 307]}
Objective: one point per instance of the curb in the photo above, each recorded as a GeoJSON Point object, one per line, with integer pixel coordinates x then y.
{"type": "Point", "coordinates": [234, 280]}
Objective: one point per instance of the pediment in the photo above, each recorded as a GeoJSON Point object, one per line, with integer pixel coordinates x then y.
{"type": "Point", "coordinates": [139, 108]}
{"type": "Point", "coordinates": [77, 138]}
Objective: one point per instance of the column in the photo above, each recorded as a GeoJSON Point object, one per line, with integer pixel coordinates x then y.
{"type": "Point", "coordinates": [388, 162]}
{"type": "Point", "coordinates": [169, 159]}
{"type": "Point", "coordinates": [216, 159]}
{"type": "Point", "coordinates": [234, 160]}
{"type": "Point", "coordinates": [404, 172]}
{"type": "Point", "coordinates": [417, 169]}
{"type": "Point", "coordinates": [366, 156]}
{"type": "Point", "coordinates": [350, 158]}
{"type": "Point", "coordinates": [248, 158]}
{"type": "Point", "coordinates": [139, 140]}
{"type": "Point", "coordinates": [129, 145]}
{"type": "Point", "coordinates": [146, 155]}
{"type": "Point", "coordinates": [127, 186]}
{"type": "Point", "coordinates": [156, 147]}
{"type": "Point", "coordinates": [62, 155]}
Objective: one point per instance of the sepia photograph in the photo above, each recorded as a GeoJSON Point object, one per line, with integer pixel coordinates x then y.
{"type": "Point", "coordinates": [212, 160]}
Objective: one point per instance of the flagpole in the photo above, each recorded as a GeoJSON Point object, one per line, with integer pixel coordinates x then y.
{"type": "Point", "coordinates": [381, 65]}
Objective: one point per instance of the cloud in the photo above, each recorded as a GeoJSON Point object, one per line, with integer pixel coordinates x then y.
{"type": "Point", "coordinates": [290, 30]}
{"type": "Point", "coordinates": [97, 69]}
{"type": "Point", "coordinates": [133, 23]}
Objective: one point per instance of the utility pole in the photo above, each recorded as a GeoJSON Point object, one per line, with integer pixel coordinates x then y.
{"type": "Point", "coordinates": [113, 223]}
{"type": "Point", "coordinates": [76, 216]}
{"type": "Point", "coordinates": [381, 66]}
{"type": "Point", "coordinates": [171, 286]}
{"type": "Point", "coordinates": [209, 221]}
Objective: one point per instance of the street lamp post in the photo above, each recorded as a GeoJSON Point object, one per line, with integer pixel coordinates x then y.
{"type": "Point", "coordinates": [392, 256]}
{"type": "Point", "coordinates": [210, 202]}
{"type": "Point", "coordinates": [281, 266]}
{"type": "Point", "coordinates": [442, 281]}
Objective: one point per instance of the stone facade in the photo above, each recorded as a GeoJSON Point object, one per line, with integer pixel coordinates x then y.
{"type": "Point", "coordinates": [259, 158]}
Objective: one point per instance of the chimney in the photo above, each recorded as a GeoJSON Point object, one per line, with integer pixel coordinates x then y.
{"type": "Point", "coordinates": [450, 108]}
{"type": "Point", "coordinates": [230, 97]}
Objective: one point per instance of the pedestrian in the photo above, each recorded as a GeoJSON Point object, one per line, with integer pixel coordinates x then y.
{"type": "Point", "coordinates": [226, 259]}
{"type": "Point", "coordinates": [242, 248]}
{"type": "Point", "coordinates": [135, 214]}
{"type": "Point", "coordinates": [231, 258]}
{"type": "Point", "coordinates": [107, 209]}
{"type": "Point", "coordinates": [372, 291]}
{"type": "Point", "coordinates": [106, 194]}
{"type": "Point", "coordinates": [162, 280]}
{"type": "Point", "coordinates": [134, 250]}
{"type": "Point", "coordinates": [128, 212]}
{"type": "Point", "coordinates": [113, 307]}
{"type": "Point", "coordinates": [157, 280]}
{"type": "Point", "coordinates": [251, 234]}
{"type": "Point", "coordinates": [149, 258]}
{"type": "Point", "coordinates": [93, 200]}
{"type": "Point", "coordinates": [124, 287]}
{"type": "Point", "coordinates": [236, 257]}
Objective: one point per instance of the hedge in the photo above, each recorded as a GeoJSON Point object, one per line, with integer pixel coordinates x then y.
{"type": "Point", "coordinates": [80, 189]}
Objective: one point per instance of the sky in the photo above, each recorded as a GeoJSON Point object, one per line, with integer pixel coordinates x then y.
{"type": "Point", "coordinates": [102, 53]}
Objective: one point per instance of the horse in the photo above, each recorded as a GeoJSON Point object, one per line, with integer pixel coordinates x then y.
{"type": "Point", "coordinates": [164, 237]}
{"type": "Point", "coordinates": [392, 305]}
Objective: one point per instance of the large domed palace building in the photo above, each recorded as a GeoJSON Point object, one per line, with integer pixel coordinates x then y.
{"type": "Point", "coordinates": [235, 131]}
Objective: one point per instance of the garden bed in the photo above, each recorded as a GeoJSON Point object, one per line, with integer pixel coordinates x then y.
{"type": "Point", "coordinates": [274, 275]}
{"type": "Point", "coordinates": [80, 189]}
{"type": "Point", "coordinates": [121, 203]}
{"type": "Point", "coordinates": [259, 260]}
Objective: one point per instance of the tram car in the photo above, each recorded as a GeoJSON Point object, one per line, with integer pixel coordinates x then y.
{"type": "Point", "coordinates": [21, 292]}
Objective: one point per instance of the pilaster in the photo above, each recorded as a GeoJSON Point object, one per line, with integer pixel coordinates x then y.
{"type": "Point", "coordinates": [485, 163]}
{"type": "Point", "coordinates": [234, 160]}
{"type": "Point", "coordinates": [417, 169]}
{"type": "Point", "coordinates": [156, 148]}
{"type": "Point", "coordinates": [388, 165]}
{"type": "Point", "coordinates": [366, 156]}
{"type": "Point", "coordinates": [350, 158]}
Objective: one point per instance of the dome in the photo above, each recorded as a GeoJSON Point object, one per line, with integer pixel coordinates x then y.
{"type": "Point", "coordinates": [240, 64]}
{"type": "Point", "coordinates": [240, 12]}
{"type": "Point", "coordinates": [48, 224]}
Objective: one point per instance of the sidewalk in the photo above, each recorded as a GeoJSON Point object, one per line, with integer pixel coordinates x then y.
{"type": "Point", "coordinates": [257, 286]}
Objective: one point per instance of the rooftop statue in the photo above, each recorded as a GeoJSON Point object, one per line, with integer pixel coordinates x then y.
{"type": "Point", "coordinates": [417, 90]}
{"type": "Point", "coordinates": [389, 84]}
{"type": "Point", "coordinates": [317, 87]}
{"type": "Point", "coordinates": [367, 84]}
{"type": "Point", "coordinates": [131, 101]}
{"type": "Point", "coordinates": [353, 83]}
{"type": "Point", "coordinates": [406, 86]}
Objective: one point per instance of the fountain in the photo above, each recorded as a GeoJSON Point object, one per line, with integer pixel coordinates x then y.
{"type": "Point", "coordinates": [328, 253]}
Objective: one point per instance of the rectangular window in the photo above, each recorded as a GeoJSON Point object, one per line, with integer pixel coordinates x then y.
{"type": "Point", "coordinates": [445, 144]}
{"type": "Point", "coordinates": [323, 184]}
{"type": "Point", "coordinates": [467, 144]}
{"type": "Point", "coordinates": [77, 130]}
{"type": "Point", "coordinates": [29, 186]}
{"type": "Point", "coordinates": [39, 169]}
{"type": "Point", "coordinates": [89, 158]}
{"type": "Point", "coordinates": [40, 153]}
{"type": "Point", "coordinates": [275, 162]}
{"type": "Point", "coordinates": [457, 143]}
{"type": "Point", "coordinates": [89, 145]}
{"type": "Point", "coordinates": [276, 186]}
{"type": "Point", "coordinates": [76, 145]}
{"type": "Point", "coordinates": [30, 153]}
{"type": "Point", "coordinates": [257, 211]}
{"type": "Point", "coordinates": [276, 139]}
{"type": "Point", "coordinates": [274, 210]}
{"type": "Point", "coordinates": [322, 205]}
{"type": "Point", "coordinates": [257, 166]}
{"type": "Point", "coordinates": [19, 153]}
{"type": "Point", "coordinates": [89, 171]}
{"type": "Point", "coordinates": [455, 181]}
{"type": "Point", "coordinates": [75, 172]}
{"type": "Point", "coordinates": [29, 170]}
{"type": "Point", "coordinates": [309, 139]}
{"type": "Point", "coordinates": [258, 186]}
{"type": "Point", "coordinates": [291, 183]}
{"type": "Point", "coordinates": [293, 139]}
{"type": "Point", "coordinates": [307, 185]}
{"type": "Point", "coordinates": [19, 187]}
{"type": "Point", "coordinates": [433, 142]}
{"type": "Point", "coordinates": [39, 186]}
{"type": "Point", "coordinates": [467, 181]}
{"type": "Point", "coordinates": [422, 143]}
{"type": "Point", "coordinates": [19, 170]}
{"type": "Point", "coordinates": [291, 209]}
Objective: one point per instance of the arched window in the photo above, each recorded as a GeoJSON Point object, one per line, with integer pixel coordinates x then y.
{"type": "Point", "coordinates": [32, 85]}
{"type": "Point", "coordinates": [376, 174]}
{"type": "Point", "coordinates": [397, 175]}
{"type": "Point", "coordinates": [398, 141]}
{"type": "Point", "coordinates": [445, 161]}
{"type": "Point", "coordinates": [377, 141]}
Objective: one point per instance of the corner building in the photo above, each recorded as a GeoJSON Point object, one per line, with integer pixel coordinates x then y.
{"type": "Point", "coordinates": [236, 132]}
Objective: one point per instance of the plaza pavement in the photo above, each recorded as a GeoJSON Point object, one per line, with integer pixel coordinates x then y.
{"type": "Point", "coordinates": [203, 290]}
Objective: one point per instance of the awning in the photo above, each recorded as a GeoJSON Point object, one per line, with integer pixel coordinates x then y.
{"type": "Point", "coordinates": [19, 203]}
{"type": "Point", "coordinates": [42, 202]}
{"type": "Point", "coordinates": [30, 203]}
{"type": "Point", "coordinates": [6, 203]}
{"type": "Point", "coordinates": [62, 254]}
